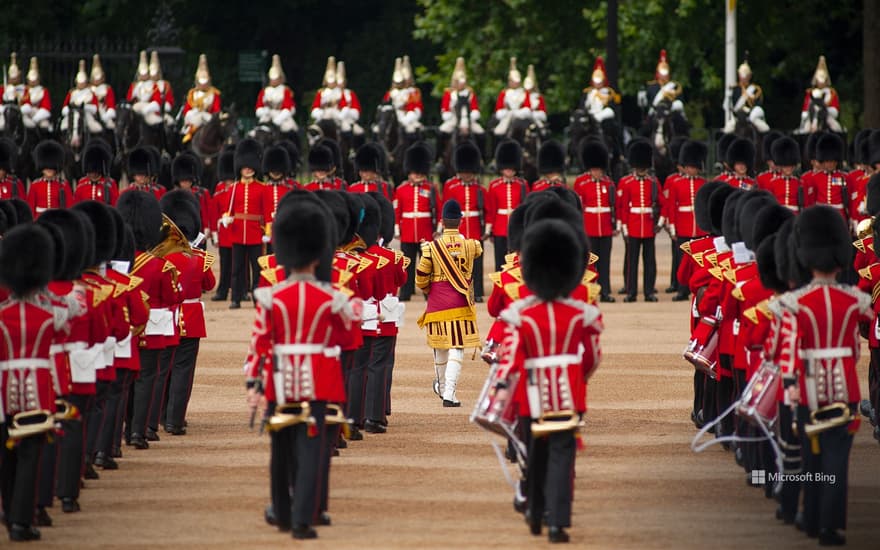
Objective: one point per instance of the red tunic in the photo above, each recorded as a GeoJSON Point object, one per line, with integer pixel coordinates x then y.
{"type": "Point", "coordinates": [501, 200]}
{"type": "Point", "coordinates": [830, 189]}
{"type": "Point", "coordinates": [545, 183]}
{"type": "Point", "coordinates": [790, 193]}
{"type": "Point", "coordinates": [12, 188]}
{"type": "Point", "coordinates": [597, 198]}
{"type": "Point", "coordinates": [415, 209]}
{"type": "Point", "coordinates": [221, 205]}
{"type": "Point", "coordinates": [103, 190]}
{"type": "Point", "coordinates": [247, 206]}
{"type": "Point", "coordinates": [273, 191]}
{"type": "Point", "coordinates": [137, 313]}
{"type": "Point", "coordinates": [472, 198]}
{"type": "Point", "coordinates": [680, 205]}
{"type": "Point", "coordinates": [44, 194]}
{"type": "Point", "coordinates": [194, 276]}
{"type": "Point", "coordinates": [373, 186]}
{"type": "Point", "coordinates": [639, 201]}
{"type": "Point", "coordinates": [160, 285]}
{"type": "Point", "coordinates": [334, 183]}
{"type": "Point", "coordinates": [764, 178]}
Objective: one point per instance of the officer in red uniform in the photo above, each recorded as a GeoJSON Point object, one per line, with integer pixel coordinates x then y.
{"type": "Point", "coordinates": [97, 185]}
{"type": "Point", "coordinates": [222, 232]}
{"type": "Point", "coordinates": [598, 193]}
{"type": "Point", "coordinates": [10, 185]}
{"type": "Point", "coordinates": [785, 185]}
{"type": "Point", "coordinates": [51, 190]}
{"type": "Point", "coordinates": [369, 162]}
{"type": "Point", "coordinates": [639, 217]}
{"type": "Point", "coordinates": [551, 166]}
{"type": "Point", "coordinates": [143, 214]}
{"type": "Point", "coordinates": [29, 326]}
{"type": "Point", "coordinates": [195, 277]}
{"type": "Point", "coordinates": [277, 164]}
{"type": "Point", "coordinates": [324, 162]}
{"type": "Point", "coordinates": [299, 323]}
{"type": "Point", "coordinates": [415, 209]}
{"type": "Point", "coordinates": [680, 204]}
{"type": "Point", "coordinates": [246, 218]}
{"type": "Point", "coordinates": [466, 188]}
{"type": "Point", "coordinates": [826, 339]}
{"type": "Point", "coordinates": [554, 369]}
{"type": "Point", "coordinates": [741, 160]}
{"type": "Point", "coordinates": [142, 168]}
{"type": "Point", "coordinates": [829, 183]}
{"type": "Point", "coordinates": [504, 195]}
{"type": "Point", "coordinates": [763, 179]}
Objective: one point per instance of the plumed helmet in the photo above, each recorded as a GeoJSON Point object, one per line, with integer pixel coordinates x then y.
{"type": "Point", "coordinates": [552, 259]}
{"type": "Point", "coordinates": [22, 271]}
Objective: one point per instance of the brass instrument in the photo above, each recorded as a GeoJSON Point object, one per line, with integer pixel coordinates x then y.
{"type": "Point", "coordinates": [173, 240]}
{"type": "Point", "coordinates": [290, 415]}
{"type": "Point", "coordinates": [28, 423]}
{"type": "Point", "coordinates": [65, 410]}
{"type": "Point", "coordinates": [335, 416]}
{"type": "Point", "coordinates": [826, 418]}
{"type": "Point", "coordinates": [557, 421]}
{"type": "Point", "coordinates": [865, 228]}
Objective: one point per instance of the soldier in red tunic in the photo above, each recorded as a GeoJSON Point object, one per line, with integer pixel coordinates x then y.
{"type": "Point", "coordinates": [369, 162]}
{"type": "Point", "coordinates": [763, 179]}
{"type": "Point", "coordinates": [552, 347]}
{"type": "Point", "coordinates": [639, 217]}
{"type": "Point", "coordinates": [142, 168]}
{"type": "Point", "coordinates": [323, 163]}
{"type": "Point", "coordinates": [827, 390]}
{"type": "Point", "coordinates": [785, 185]}
{"type": "Point", "coordinates": [829, 183]}
{"type": "Point", "coordinates": [28, 326]}
{"type": "Point", "coordinates": [466, 188]}
{"type": "Point", "coordinates": [10, 185]}
{"type": "Point", "coordinates": [186, 174]}
{"type": "Point", "coordinates": [246, 218]}
{"type": "Point", "coordinates": [277, 166]}
{"type": "Point", "coordinates": [598, 193]}
{"type": "Point", "coordinates": [97, 185]}
{"type": "Point", "coordinates": [415, 208]}
{"type": "Point", "coordinates": [51, 190]}
{"type": "Point", "coordinates": [551, 166]}
{"type": "Point", "coordinates": [299, 324]}
{"type": "Point", "coordinates": [741, 160]}
{"type": "Point", "coordinates": [222, 232]}
{"type": "Point", "coordinates": [504, 195]}
{"type": "Point", "coordinates": [680, 204]}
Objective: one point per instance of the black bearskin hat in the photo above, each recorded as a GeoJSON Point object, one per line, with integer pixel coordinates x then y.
{"type": "Point", "coordinates": [716, 207]}
{"type": "Point", "coordinates": [418, 159]}
{"type": "Point", "coordinates": [639, 154]}
{"type": "Point", "coordinates": [126, 252]}
{"type": "Point", "coordinates": [276, 159]}
{"type": "Point", "coordinates": [386, 209]}
{"type": "Point", "coordinates": [338, 206]}
{"type": "Point", "coordinates": [766, 222]}
{"type": "Point", "coordinates": [693, 153]}
{"type": "Point", "coordinates": [675, 145]}
{"type": "Point", "coordinates": [301, 234]}
{"type": "Point", "coordinates": [508, 155]}
{"type": "Point", "coordinates": [73, 226]}
{"type": "Point", "coordinates": [143, 214]}
{"type": "Point", "coordinates": [752, 203]}
{"type": "Point", "coordinates": [872, 195]}
{"type": "Point", "coordinates": [226, 166]}
{"type": "Point", "coordinates": [562, 211]}
{"type": "Point", "coordinates": [140, 161]}
{"type": "Point", "coordinates": [721, 147]}
{"type": "Point", "coordinates": [822, 239]}
{"type": "Point", "coordinates": [810, 146]}
{"type": "Point", "coordinates": [292, 153]}
{"type": "Point", "coordinates": [829, 147]}
{"type": "Point", "coordinates": [49, 155]}
{"type": "Point", "coordinates": [551, 158]}
{"type": "Point", "coordinates": [767, 143]}
{"type": "Point", "coordinates": [325, 267]}
{"type": "Point", "coordinates": [8, 154]}
{"type": "Point", "coordinates": [248, 154]}
{"type": "Point", "coordinates": [105, 228]}
{"type": "Point", "coordinates": [861, 147]}
{"type": "Point", "coordinates": [368, 158]}
{"type": "Point", "coordinates": [23, 213]}
{"type": "Point", "coordinates": [183, 208]}
{"type": "Point", "coordinates": [741, 150]}
{"type": "Point", "coordinates": [516, 225]}
{"type": "Point", "coordinates": [594, 154]}
{"type": "Point", "coordinates": [4, 222]}
{"type": "Point", "coordinates": [730, 217]}
{"type": "Point", "coordinates": [119, 223]}
{"type": "Point", "coordinates": [874, 147]}
{"type": "Point", "coordinates": [372, 222]}
{"type": "Point", "coordinates": [765, 257]}
{"type": "Point", "coordinates": [567, 195]}
{"type": "Point", "coordinates": [9, 215]}
{"type": "Point", "coordinates": [467, 158]}
{"type": "Point", "coordinates": [355, 211]}
{"type": "Point", "coordinates": [788, 267]}
{"type": "Point", "coordinates": [22, 271]}
{"type": "Point", "coordinates": [334, 147]}
{"type": "Point", "coordinates": [786, 152]}
{"type": "Point", "coordinates": [321, 159]}
{"type": "Point", "coordinates": [552, 259]}
{"type": "Point", "coordinates": [186, 166]}
{"type": "Point", "coordinates": [58, 267]}
{"type": "Point", "coordinates": [97, 157]}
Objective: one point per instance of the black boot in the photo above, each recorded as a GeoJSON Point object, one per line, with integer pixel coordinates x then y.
{"type": "Point", "coordinates": [556, 535]}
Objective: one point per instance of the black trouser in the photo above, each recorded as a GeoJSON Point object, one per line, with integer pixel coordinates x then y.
{"type": "Point", "coordinates": [157, 401]}
{"type": "Point", "coordinates": [305, 468]}
{"type": "Point", "coordinates": [142, 394]}
{"type": "Point", "coordinates": [389, 373]}
{"type": "Point", "coordinates": [180, 381]}
{"type": "Point", "coordinates": [825, 502]}
{"type": "Point", "coordinates": [225, 282]}
{"type": "Point", "coordinates": [601, 246]}
{"type": "Point", "coordinates": [123, 419]}
{"type": "Point", "coordinates": [676, 261]}
{"type": "Point", "coordinates": [357, 381]}
{"type": "Point", "coordinates": [280, 483]}
{"type": "Point", "coordinates": [71, 446]}
{"type": "Point", "coordinates": [625, 263]}
{"type": "Point", "coordinates": [699, 393]}
{"type": "Point", "coordinates": [111, 413]}
{"type": "Point", "coordinates": [550, 469]}
{"type": "Point", "coordinates": [724, 393]}
{"type": "Point", "coordinates": [411, 251]}
{"type": "Point", "coordinates": [477, 276]}
{"type": "Point", "coordinates": [19, 468]}
{"type": "Point", "coordinates": [377, 378]}
{"type": "Point", "coordinates": [741, 427]}
{"type": "Point", "coordinates": [242, 255]}
{"type": "Point", "coordinates": [46, 481]}
{"type": "Point", "coordinates": [331, 437]}
{"type": "Point", "coordinates": [96, 418]}
{"type": "Point", "coordinates": [710, 394]}
{"type": "Point", "coordinates": [500, 251]}
{"type": "Point", "coordinates": [790, 446]}
{"type": "Point", "coordinates": [649, 261]}
{"type": "Point", "coordinates": [874, 380]}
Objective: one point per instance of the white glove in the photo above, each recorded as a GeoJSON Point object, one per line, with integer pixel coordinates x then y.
{"type": "Point", "coordinates": [540, 116]}
{"type": "Point", "coordinates": [445, 115]}
{"type": "Point", "coordinates": [475, 115]}
{"type": "Point", "coordinates": [281, 118]}
{"type": "Point", "coordinates": [317, 114]}
{"type": "Point", "coordinates": [263, 114]}
{"type": "Point", "coordinates": [624, 230]}
{"type": "Point", "coordinates": [672, 231]}
{"type": "Point", "coordinates": [501, 113]}
{"type": "Point", "coordinates": [803, 115]}
{"type": "Point", "coordinates": [523, 113]}
{"type": "Point", "coordinates": [41, 115]}
{"type": "Point", "coordinates": [267, 239]}
{"type": "Point", "coordinates": [396, 231]}
{"type": "Point", "coordinates": [64, 110]}
{"type": "Point", "coordinates": [642, 99]}
{"type": "Point", "coordinates": [91, 108]}
{"type": "Point", "coordinates": [151, 107]}
{"type": "Point", "coordinates": [661, 221]}
{"type": "Point", "coordinates": [411, 118]}
{"type": "Point", "coordinates": [27, 110]}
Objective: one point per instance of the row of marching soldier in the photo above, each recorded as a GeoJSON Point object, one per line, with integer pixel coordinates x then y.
{"type": "Point", "coordinates": [102, 316]}
{"type": "Point", "coordinates": [775, 326]}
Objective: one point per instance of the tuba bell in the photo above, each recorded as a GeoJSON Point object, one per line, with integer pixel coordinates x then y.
{"type": "Point", "coordinates": [556, 421]}
{"type": "Point", "coordinates": [865, 228]}
{"type": "Point", "coordinates": [28, 423]}
{"type": "Point", "coordinates": [65, 410]}
{"type": "Point", "coordinates": [289, 415]}
{"type": "Point", "coordinates": [173, 240]}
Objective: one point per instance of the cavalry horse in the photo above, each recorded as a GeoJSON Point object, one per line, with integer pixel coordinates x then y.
{"type": "Point", "coordinates": [74, 139]}
{"type": "Point", "coordinates": [529, 136]}
{"type": "Point", "coordinates": [328, 129]}
{"type": "Point", "coordinates": [25, 140]}
{"type": "Point", "coordinates": [132, 132]}
{"type": "Point", "coordinates": [461, 133]}
{"type": "Point", "coordinates": [582, 126]}
{"type": "Point", "coordinates": [388, 132]}
{"type": "Point", "coordinates": [663, 126]}
{"type": "Point", "coordinates": [208, 141]}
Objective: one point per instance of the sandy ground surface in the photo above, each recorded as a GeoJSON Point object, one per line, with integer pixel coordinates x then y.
{"type": "Point", "coordinates": [433, 481]}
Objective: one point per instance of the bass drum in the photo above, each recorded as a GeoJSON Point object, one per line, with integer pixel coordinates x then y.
{"type": "Point", "coordinates": [758, 404]}
{"type": "Point", "coordinates": [495, 410]}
